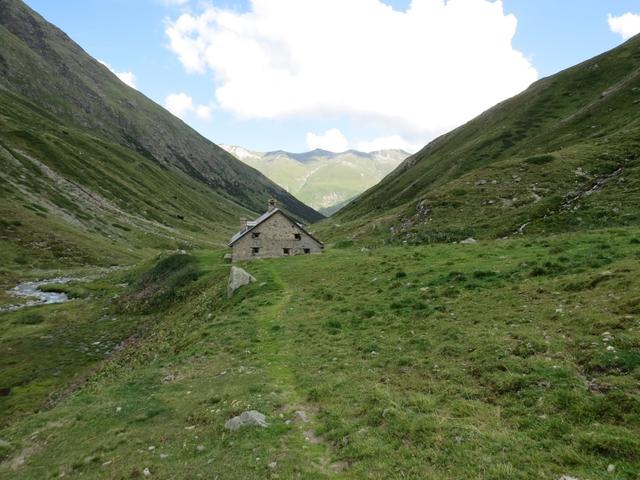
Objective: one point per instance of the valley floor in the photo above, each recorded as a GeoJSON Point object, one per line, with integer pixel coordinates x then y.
{"type": "Point", "coordinates": [515, 359]}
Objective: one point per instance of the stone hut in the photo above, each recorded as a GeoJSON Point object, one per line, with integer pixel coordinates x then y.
{"type": "Point", "coordinates": [273, 234]}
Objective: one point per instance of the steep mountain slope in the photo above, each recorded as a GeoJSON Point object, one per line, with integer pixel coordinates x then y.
{"type": "Point", "coordinates": [93, 172]}
{"type": "Point", "coordinates": [322, 179]}
{"type": "Point", "coordinates": [563, 155]}
{"type": "Point", "coordinates": [41, 65]}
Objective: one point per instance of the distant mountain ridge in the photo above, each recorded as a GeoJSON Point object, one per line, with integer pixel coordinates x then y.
{"type": "Point", "coordinates": [323, 180]}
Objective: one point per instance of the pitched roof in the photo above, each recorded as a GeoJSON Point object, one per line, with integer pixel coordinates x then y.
{"type": "Point", "coordinates": [262, 218]}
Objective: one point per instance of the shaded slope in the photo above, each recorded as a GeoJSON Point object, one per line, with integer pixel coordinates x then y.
{"type": "Point", "coordinates": [40, 63]}
{"type": "Point", "coordinates": [562, 155]}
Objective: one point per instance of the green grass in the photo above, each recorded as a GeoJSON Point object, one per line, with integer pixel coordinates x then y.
{"type": "Point", "coordinates": [485, 361]}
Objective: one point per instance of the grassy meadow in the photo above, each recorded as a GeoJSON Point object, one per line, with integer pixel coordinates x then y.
{"type": "Point", "coordinates": [512, 359]}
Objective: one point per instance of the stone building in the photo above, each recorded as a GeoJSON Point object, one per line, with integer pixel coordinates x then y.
{"type": "Point", "coordinates": [273, 234]}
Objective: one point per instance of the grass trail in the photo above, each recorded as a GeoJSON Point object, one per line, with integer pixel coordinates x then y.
{"type": "Point", "coordinates": [278, 357]}
{"type": "Point", "coordinates": [272, 350]}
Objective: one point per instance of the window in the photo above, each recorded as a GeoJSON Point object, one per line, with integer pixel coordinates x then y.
{"type": "Point", "coordinates": [255, 235]}
{"type": "Point", "coordinates": [297, 236]}
{"type": "Point", "coordinates": [255, 250]}
{"type": "Point", "coordinates": [286, 251]}
{"type": "Point", "coordinates": [307, 251]}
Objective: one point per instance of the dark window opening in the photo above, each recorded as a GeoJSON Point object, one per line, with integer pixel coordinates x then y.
{"type": "Point", "coordinates": [307, 251]}
{"type": "Point", "coordinates": [297, 236]}
{"type": "Point", "coordinates": [255, 235]}
{"type": "Point", "coordinates": [255, 250]}
{"type": "Point", "coordinates": [286, 251]}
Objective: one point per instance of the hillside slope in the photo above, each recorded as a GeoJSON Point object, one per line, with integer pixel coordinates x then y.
{"type": "Point", "coordinates": [324, 180]}
{"type": "Point", "coordinates": [563, 155]}
{"type": "Point", "coordinates": [41, 63]}
{"type": "Point", "coordinates": [94, 173]}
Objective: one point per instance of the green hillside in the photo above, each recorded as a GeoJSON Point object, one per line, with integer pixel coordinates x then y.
{"type": "Point", "coordinates": [563, 155]}
{"type": "Point", "coordinates": [398, 358]}
{"type": "Point", "coordinates": [324, 180]}
{"type": "Point", "coordinates": [90, 165]}
{"type": "Point", "coordinates": [394, 354]}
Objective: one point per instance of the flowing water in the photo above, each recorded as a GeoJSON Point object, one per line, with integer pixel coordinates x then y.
{"type": "Point", "coordinates": [31, 291]}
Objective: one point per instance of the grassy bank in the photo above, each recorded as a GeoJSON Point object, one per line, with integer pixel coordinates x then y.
{"type": "Point", "coordinates": [509, 359]}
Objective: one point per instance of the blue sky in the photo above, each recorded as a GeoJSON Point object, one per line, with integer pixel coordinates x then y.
{"type": "Point", "coordinates": [375, 106]}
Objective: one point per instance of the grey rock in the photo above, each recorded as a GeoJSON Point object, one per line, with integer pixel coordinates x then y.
{"type": "Point", "coordinates": [228, 257]}
{"type": "Point", "coordinates": [300, 416]}
{"type": "Point", "coordinates": [469, 241]}
{"type": "Point", "coordinates": [238, 278]}
{"type": "Point", "coordinates": [252, 418]}
{"type": "Point", "coordinates": [567, 477]}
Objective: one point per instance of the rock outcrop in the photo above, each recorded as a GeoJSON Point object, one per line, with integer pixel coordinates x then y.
{"type": "Point", "coordinates": [238, 278]}
{"type": "Point", "coordinates": [252, 418]}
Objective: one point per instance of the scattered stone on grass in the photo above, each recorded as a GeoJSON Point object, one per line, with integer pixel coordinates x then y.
{"type": "Point", "coordinates": [238, 278]}
{"type": "Point", "coordinates": [251, 418]}
{"type": "Point", "coordinates": [300, 416]}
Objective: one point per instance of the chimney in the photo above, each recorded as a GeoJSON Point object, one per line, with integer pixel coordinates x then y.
{"type": "Point", "coordinates": [272, 205]}
{"type": "Point", "coordinates": [243, 224]}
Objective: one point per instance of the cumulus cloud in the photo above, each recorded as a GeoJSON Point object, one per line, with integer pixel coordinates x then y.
{"type": "Point", "coordinates": [395, 142]}
{"type": "Point", "coordinates": [174, 3]}
{"type": "Point", "coordinates": [418, 72]}
{"type": "Point", "coordinates": [332, 140]}
{"type": "Point", "coordinates": [126, 77]}
{"type": "Point", "coordinates": [626, 25]}
{"type": "Point", "coordinates": [182, 105]}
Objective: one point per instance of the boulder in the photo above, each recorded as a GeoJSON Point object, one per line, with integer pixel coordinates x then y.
{"type": "Point", "coordinates": [251, 418]}
{"type": "Point", "coordinates": [237, 279]}
{"type": "Point", "coordinates": [469, 241]}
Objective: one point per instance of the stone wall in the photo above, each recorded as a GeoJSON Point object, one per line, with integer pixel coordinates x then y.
{"type": "Point", "coordinates": [275, 234]}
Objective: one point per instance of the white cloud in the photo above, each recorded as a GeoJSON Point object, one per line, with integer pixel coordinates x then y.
{"type": "Point", "coordinates": [332, 140]}
{"type": "Point", "coordinates": [626, 25]}
{"type": "Point", "coordinates": [174, 3]}
{"type": "Point", "coordinates": [126, 77]}
{"type": "Point", "coordinates": [203, 112]}
{"type": "Point", "coordinates": [182, 105]}
{"type": "Point", "coordinates": [420, 72]}
{"type": "Point", "coordinates": [385, 143]}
